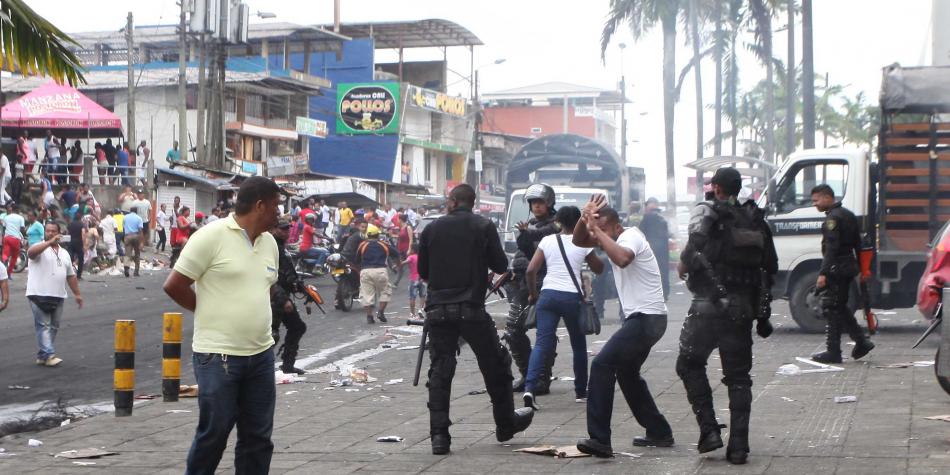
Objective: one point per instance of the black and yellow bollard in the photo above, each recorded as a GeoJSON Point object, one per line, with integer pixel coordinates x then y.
{"type": "Point", "coordinates": [124, 375]}
{"type": "Point", "coordinates": [171, 356]}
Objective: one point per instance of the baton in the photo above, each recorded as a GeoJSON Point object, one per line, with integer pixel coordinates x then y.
{"type": "Point", "coordinates": [422, 347]}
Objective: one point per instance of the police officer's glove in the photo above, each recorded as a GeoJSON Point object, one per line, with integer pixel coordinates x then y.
{"type": "Point", "coordinates": [763, 327]}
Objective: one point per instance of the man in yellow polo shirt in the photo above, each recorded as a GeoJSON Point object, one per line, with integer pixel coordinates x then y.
{"type": "Point", "coordinates": [233, 263]}
{"type": "Point", "coordinates": [346, 216]}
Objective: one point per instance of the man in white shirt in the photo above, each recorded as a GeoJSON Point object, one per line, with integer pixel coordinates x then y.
{"type": "Point", "coordinates": [413, 217]}
{"type": "Point", "coordinates": [50, 270]}
{"type": "Point", "coordinates": [144, 210]}
{"type": "Point", "coordinates": [641, 296]}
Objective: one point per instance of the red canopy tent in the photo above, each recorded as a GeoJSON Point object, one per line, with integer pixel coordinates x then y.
{"type": "Point", "coordinates": [62, 109]}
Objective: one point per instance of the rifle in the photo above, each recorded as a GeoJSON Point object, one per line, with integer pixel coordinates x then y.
{"type": "Point", "coordinates": [494, 288]}
{"type": "Point", "coordinates": [721, 300]}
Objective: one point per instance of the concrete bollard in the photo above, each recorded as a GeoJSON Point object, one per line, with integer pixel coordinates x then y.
{"type": "Point", "coordinates": [171, 356]}
{"type": "Point", "coordinates": [124, 375]}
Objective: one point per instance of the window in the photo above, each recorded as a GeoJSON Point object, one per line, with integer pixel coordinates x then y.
{"type": "Point", "coordinates": [794, 191]}
{"type": "Point", "coordinates": [448, 167]}
{"type": "Point", "coordinates": [428, 167]}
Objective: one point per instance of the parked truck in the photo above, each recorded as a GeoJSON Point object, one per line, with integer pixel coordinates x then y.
{"type": "Point", "coordinates": [901, 199]}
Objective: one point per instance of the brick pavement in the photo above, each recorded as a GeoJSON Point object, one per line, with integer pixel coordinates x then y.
{"type": "Point", "coordinates": [796, 426]}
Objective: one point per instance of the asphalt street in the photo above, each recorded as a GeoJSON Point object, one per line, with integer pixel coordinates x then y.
{"type": "Point", "coordinates": [85, 339]}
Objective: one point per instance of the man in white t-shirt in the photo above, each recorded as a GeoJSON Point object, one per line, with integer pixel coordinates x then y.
{"type": "Point", "coordinates": [51, 269]}
{"type": "Point", "coordinates": [641, 296]}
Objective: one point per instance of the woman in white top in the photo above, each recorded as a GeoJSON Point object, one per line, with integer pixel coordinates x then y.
{"type": "Point", "coordinates": [559, 298]}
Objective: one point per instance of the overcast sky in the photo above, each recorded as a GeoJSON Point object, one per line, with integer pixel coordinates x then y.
{"type": "Point", "coordinates": [559, 40]}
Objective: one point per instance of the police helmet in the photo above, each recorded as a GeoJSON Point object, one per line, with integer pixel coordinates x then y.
{"type": "Point", "coordinates": [540, 191]}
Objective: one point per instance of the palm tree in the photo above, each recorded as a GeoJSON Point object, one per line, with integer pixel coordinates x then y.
{"type": "Point", "coordinates": [695, 33]}
{"type": "Point", "coordinates": [734, 20]}
{"type": "Point", "coordinates": [33, 45]}
{"type": "Point", "coordinates": [643, 15]}
{"type": "Point", "coordinates": [808, 71]}
{"type": "Point", "coordinates": [761, 16]}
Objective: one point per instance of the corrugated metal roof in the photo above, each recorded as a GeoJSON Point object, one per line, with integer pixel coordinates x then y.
{"type": "Point", "coordinates": [430, 33]}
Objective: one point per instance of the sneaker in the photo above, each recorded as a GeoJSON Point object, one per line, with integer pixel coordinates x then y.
{"type": "Point", "coordinates": [580, 400]}
{"type": "Point", "coordinates": [369, 319]}
{"type": "Point", "coordinates": [40, 362]}
{"type": "Point", "coordinates": [53, 361]}
{"type": "Point", "coordinates": [292, 370]}
{"type": "Point", "coordinates": [529, 401]}
{"type": "Point", "coordinates": [595, 448]}
{"type": "Point", "coordinates": [381, 317]}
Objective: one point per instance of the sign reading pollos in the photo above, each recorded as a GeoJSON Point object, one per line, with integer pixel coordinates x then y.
{"type": "Point", "coordinates": [368, 108]}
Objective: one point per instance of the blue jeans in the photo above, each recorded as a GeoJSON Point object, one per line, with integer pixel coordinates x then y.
{"type": "Point", "coordinates": [620, 361]}
{"type": "Point", "coordinates": [233, 389]}
{"type": "Point", "coordinates": [317, 254]}
{"type": "Point", "coordinates": [46, 325]}
{"type": "Point", "coordinates": [551, 306]}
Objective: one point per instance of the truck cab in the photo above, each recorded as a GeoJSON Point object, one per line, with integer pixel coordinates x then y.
{"type": "Point", "coordinates": [796, 224]}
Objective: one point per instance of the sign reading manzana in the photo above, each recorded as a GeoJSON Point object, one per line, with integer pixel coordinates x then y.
{"type": "Point", "coordinates": [367, 108]}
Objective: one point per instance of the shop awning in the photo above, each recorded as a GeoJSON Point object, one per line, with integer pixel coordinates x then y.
{"type": "Point", "coordinates": [62, 109]}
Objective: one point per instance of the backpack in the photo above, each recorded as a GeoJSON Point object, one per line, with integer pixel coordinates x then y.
{"type": "Point", "coordinates": [739, 236]}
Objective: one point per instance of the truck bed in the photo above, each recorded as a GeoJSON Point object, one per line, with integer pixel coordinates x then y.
{"type": "Point", "coordinates": [914, 183]}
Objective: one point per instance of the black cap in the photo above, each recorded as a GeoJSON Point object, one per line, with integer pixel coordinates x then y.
{"type": "Point", "coordinates": [729, 179]}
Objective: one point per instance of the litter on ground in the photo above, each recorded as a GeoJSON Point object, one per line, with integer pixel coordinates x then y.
{"type": "Point", "coordinates": [390, 438]}
{"type": "Point", "coordinates": [89, 453]}
{"type": "Point", "coordinates": [34, 443]}
{"type": "Point", "coordinates": [567, 451]}
{"type": "Point", "coordinates": [843, 399]}
{"type": "Point", "coordinates": [944, 418]}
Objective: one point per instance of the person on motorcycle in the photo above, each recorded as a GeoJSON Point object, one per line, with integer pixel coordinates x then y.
{"type": "Point", "coordinates": [283, 309]}
{"type": "Point", "coordinates": [310, 239]}
{"type": "Point", "coordinates": [540, 198]}
{"type": "Point", "coordinates": [372, 256]}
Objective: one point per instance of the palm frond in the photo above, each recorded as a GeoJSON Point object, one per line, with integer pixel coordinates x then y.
{"type": "Point", "coordinates": [34, 46]}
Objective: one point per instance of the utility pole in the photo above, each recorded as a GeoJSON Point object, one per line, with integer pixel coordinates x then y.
{"type": "Point", "coordinates": [478, 148]}
{"type": "Point", "coordinates": [202, 103]}
{"type": "Point", "coordinates": [182, 87]}
{"type": "Point", "coordinates": [130, 109]}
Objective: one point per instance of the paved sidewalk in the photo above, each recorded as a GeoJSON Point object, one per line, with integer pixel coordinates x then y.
{"type": "Point", "coordinates": [796, 427]}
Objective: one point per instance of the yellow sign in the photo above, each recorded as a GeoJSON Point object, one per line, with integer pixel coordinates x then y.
{"type": "Point", "coordinates": [437, 101]}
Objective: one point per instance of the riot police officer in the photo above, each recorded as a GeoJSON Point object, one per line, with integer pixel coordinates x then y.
{"type": "Point", "coordinates": [728, 262]}
{"type": "Point", "coordinates": [455, 253]}
{"type": "Point", "coordinates": [540, 199]}
{"type": "Point", "coordinates": [841, 238]}
{"type": "Point", "coordinates": [283, 309]}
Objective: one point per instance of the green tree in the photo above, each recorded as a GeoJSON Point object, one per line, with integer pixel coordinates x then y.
{"type": "Point", "coordinates": [642, 16]}
{"type": "Point", "coordinates": [32, 45]}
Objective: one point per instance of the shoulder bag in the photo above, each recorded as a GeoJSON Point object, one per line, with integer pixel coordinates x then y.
{"type": "Point", "coordinates": [589, 320]}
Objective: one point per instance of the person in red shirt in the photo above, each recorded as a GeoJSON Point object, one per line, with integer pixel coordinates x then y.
{"type": "Point", "coordinates": [405, 240]}
{"type": "Point", "coordinates": [180, 233]}
{"type": "Point", "coordinates": [309, 241]}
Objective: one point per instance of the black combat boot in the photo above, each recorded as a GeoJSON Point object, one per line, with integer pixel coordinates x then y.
{"type": "Point", "coordinates": [740, 405]}
{"type": "Point", "coordinates": [862, 344]}
{"type": "Point", "coordinates": [595, 447]}
{"type": "Point", "coordinates": [832, 342]}
{"type": "Point", "coordinates": [520, 421]}
{"type": "Point", "coordinates": [441, 443]}
{"type": "Point", "coordinates": [543, 386]}
{"type": "Point", "coordinates": [710, 435]}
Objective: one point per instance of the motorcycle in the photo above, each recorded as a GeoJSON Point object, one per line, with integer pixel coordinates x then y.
{"type": "Point", "coordinates": [21, 258]}
{"type": "Point", "coordinates": [347, 281]}
{"type": "Point", "coordinates": [309, 265]}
